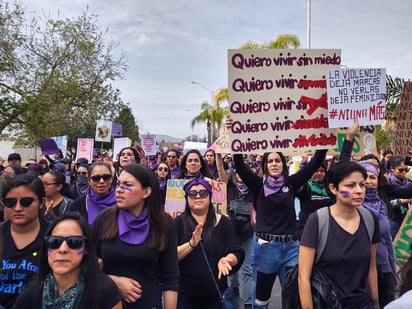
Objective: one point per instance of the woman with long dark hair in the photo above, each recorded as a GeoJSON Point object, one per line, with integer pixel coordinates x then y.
{"type": "Point", "coordinates": [137, 242]}
{"type": "Point", "coordinates": [201, 231]}
{"type": "Point", "coordinates": [69, 276]}
{"type": "Point", "coordinates": [193, 166]}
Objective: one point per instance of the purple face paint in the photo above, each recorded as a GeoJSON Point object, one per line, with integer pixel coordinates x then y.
{"type": "Point", "coordinates": [80, 251]}
{"type": "Point", "coordinates": [124, 188]}
{"type": "Point", "coordinates": [345, 194]}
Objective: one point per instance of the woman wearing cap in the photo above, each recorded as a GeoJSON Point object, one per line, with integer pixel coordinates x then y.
{"type": "Point", "coordinates": [69, 276]}
{"type": "Point", "coordinates": [22, 235]}
{"type": "Point", "coordinates": [100, 195]}
{"type": "Point", "coordinates": [199, 226]}
{"type": "Point", "coordinates": [137, 242]}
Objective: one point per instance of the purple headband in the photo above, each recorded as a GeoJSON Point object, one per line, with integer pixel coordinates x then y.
{"type": "Point", "coordinates": [369, 167]}
{"type": "Point", "coordinates": [195, 182]}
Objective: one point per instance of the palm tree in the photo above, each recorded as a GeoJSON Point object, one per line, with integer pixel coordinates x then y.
{"type": "Point", "coordinates": [213, 116]}
{"type": "Point", "coordinates": [394, 87]}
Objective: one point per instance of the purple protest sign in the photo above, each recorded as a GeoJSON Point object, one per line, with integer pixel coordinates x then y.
{"type": "Point", "coordinates": [48, 147]}
{"type": "Point", "coordinates": [117, 129]}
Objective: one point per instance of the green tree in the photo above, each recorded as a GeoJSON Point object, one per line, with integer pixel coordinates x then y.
{"type": "Point", "coordinates": [213, 116]}
{"type": "Point", "coordinates": [394, 87]}
{"type": "Point", "coordinates": [56, 78]}
{"type": "Point", "coordinates": [128, 122]}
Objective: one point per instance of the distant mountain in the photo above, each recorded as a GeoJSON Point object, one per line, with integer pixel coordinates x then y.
{"type": "Point", "coordinates": [166, 138]}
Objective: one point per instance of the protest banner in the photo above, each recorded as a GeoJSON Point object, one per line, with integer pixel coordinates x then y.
{"type": "Point", "coordinates": [61, 142]}
{"type": "Point", "coordinates": [278, 99]}
{"type": "Point", "coordinates": [149, 145]}
{"type": "Point", "coordinates": [356, 93]}
{"type": "Point", "coordinates": [403, 239]}
{"type": "Point", "coordinates": [103, 131]}
{"type": "Point", "coordinates": [48, 147]}
{"type": "Point", "coordinates": [175, 197]}
{"type": "Point", "coordinates": [119, 144]}
{"type": "Point", "coordinates": [223, 141]}
{"type": "Point", "coordinates": [403, 141]}
{"type": "Point", "coordinates": [364, 142]}
{"type": "Point", "coordinates": [85, 149]}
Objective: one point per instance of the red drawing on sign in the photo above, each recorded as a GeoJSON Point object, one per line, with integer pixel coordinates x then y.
{"type": "Point", "coordinates": [313, 140]}
{"type": "Point", "coordinates": [307, 83]}
{"type": "Point", "coordinates": [315, 103]}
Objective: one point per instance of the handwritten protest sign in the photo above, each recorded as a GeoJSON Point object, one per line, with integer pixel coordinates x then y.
{"type": "Point", "coordinates": [403, 141]}
{"type": "Point", "coordinates": [85, 149]}
{"type": "Point", "coordinates": [175, 197]}
{"type": "Point", "coordinates": [403, 239]}
{"type": "Point", "coordinates": [223, 143]}
{"type": "Point", "coordinates": [364, 141]}
{"type": "Point", "coordinates": [149, 145]}
{"type": "Point", "coordinates": [357, 93]}
{"type": "Point", "coordinates": [278, 99]}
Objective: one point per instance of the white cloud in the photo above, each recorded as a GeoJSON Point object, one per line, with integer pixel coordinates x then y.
{"type": "Point", "coordinates": [172, 42]}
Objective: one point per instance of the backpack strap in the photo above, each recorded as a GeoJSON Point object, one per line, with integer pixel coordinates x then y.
{"type": "Point", "coordinates": [323, 227]}
{"type": "Point", "coordinates": [323, 230]}
{"type": "Point", "coordinates": [369, 221]}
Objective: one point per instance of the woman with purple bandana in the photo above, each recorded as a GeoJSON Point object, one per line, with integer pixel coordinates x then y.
{"type": "Point", "coordinates": [137, 242]}
{"type": "Point", "coordinates": [201, 232]}
{"type": "Point", "coordinates": [385, 258]}
{"type": "Point", "coordinates": [275, 246]}
{"type": "Point", "coordinates": [101, 193]}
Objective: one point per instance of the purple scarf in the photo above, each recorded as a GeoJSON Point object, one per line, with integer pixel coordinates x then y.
{"type": "Point", "coordinates": [162, 184]}
{"type": "Point", "coordinates": [133, 230]}
{"type": "Point", "coordinates": [197, 175]}
{"type": "Point", "coordinates": [272, 185]}
{"type": "Point", "coordinates": [98, 202]}
{"type": "Point", "coordinates": [373, 202]}
{"type": "Point", "coordinates": [212, 169]}
{"type": "Point", "coordinates": [242, 188]}
{"type": "Point", "coordinates": [403, 183]}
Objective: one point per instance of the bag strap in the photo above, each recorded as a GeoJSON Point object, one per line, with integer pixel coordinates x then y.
{"type": "Point", "coordinates": [323, 227]}
{"type": "Point", "coordinates": [210, 269]}
{"type": "Point", "coordinates": [369, 221]}
{"type": "Point", "coordinates": [323, 230]}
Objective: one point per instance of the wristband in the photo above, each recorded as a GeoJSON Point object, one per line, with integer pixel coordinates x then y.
{"type": "Point", "coordinates": [191, 245]}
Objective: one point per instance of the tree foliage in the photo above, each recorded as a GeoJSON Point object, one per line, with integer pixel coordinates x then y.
{"type": "Point", "coordinates": [55, 77]}
{"type": "Point", "coordinates": [128, 122]}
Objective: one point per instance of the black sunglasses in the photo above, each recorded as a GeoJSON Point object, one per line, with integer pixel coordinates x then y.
{"type": "Point", "coordinates": [105, 177]}
{"type": "Point", "coordinates": [10, 202]}
{"type": "Point", "coordinates": [194, 193]}
{"type": "Point", "coordinates": [74, 242]}
{"type": "Point", "coordinates": [163, 169]}
{"type": "Point", "coordinates": [403, 170]}
{"type": "Point", "coordinates": [82, 173]}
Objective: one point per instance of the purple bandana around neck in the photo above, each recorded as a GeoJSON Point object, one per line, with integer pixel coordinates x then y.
{"type": "Point", "coordinates": [98, 202]}
{"type": "Point", "coordinates": [133, 230]}
{"type": "Point", "coordinates": [272, 185]}
{"type": "Point", "coordinates": [212, 169]}
{"type": "Point", "coordinates": [162, 184]}
{"type": "Point", "coordinates": [190, 176]}
{"type": "Point", "coordinates": [404, 183]}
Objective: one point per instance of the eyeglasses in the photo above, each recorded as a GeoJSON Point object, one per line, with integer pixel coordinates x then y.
{"type": "Point", "coordinates": [163, 169]}
{"type": "Point", "coordinates": [74, 242]}
{"type": "Point", "coordinates": [171, 157]}
{"type": "Point", "coordinates": [82, 173]}
{"type": "Point", "coordinates": [194, 193]}
{"type": "Point", "coordinates": [46, 184]}
{"type": "Point", "coordinates": [403, 170]}
{"type": "Point", "coordinates": [97, 178]}
{"type": "Point", "coordinates": [10, 202]}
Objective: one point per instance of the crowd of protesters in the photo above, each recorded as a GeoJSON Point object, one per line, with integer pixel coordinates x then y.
{"type": "Point", "coordinates": [96, 235]}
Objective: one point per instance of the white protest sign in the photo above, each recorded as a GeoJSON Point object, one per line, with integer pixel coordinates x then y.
{"type": "Point", "coordinates": [149, 144]}
{"type": "Point", "coordinates": [356, 93]}
{"type": "Point", "coordinates": [278, 99]}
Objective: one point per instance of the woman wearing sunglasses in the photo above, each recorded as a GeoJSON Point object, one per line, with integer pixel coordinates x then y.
{"type": "Point", "coordinates": [80, 185]}
{"type": "Point", "coordinates": [163, 174]}
{"type": "Point", "coordinates": [101, 193]}
{"type": "Point", "coordinates": [137, 242]}
{"type": "Point", "coordinates": [58, 194]}
{"type": "Point", "coordinates": [69, 276]}
{"type": "Point", "coordinates": [22, 235]}
{"type": "Point", "coordinates": [201, 231]}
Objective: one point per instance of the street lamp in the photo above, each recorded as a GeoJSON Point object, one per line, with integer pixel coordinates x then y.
{"type": "Point", "coordinates": [212, 103]}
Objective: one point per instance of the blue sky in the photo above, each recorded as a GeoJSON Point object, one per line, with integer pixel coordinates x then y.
{"type": "Point", "coordinates": [170, 43]}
